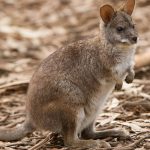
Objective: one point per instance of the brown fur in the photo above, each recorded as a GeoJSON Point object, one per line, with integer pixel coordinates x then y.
{"type": "Point", "coordinates": [69, 88]}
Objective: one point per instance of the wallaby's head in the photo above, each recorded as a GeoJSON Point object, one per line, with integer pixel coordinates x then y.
{"type": "Point", "coordinates": [118, 25]}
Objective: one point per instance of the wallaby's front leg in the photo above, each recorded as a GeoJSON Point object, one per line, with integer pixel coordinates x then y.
{"type": "Point", "coordinates": [89, 133]}
{"type": "Point", "coordinates": [118, 86]}
{"type": "Point", "coordinates": [130, 76]}
{"type": "Point", "coordinates": [119, 80]}
{"type": "Point", "coordinates": [129, 79]}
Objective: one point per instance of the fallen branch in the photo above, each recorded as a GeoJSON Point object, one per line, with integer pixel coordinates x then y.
{"type": "Point", "coordinates": [142, 103]}
{"type": "Point", "coordinates": [145, 82]}
{"type": "Point", "coordinates": [142, 60]}
{"type": "Point", "coordinates": [134, 145]}
{"type": "Point", "coordinates": [14, 85]}
{"type": "Point", "coordinates": [48, 138]}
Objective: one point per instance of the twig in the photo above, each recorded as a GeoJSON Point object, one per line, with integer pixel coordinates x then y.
{"type": "Point", "coordinates": [142, 60]}
{"type": "Point", "coordinates": [15, 84]}
{"type": "Point", "coordinates": [43, 142]}
{"type": "Point", "coordinates": [143, 103]}
{"type": "Point", "coordinates": [5, 118]}
{"type": "Point", "coordinates": [146, 82]}
{"type": "Point", "coordinates": [147, 96]}
{"type": "Point", "coordinates": [134, 145]}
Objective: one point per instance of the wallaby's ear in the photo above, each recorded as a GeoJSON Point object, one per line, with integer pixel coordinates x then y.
{"type": "Point", "coordinates": [106, 13]}
{"type": "Point", "coordinates": [129, 7]}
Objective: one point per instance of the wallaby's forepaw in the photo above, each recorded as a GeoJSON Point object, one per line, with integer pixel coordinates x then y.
{"type": "Point", "coordinates": [118, 86]}
{"type": "Point", "coordinates": [130, 77]}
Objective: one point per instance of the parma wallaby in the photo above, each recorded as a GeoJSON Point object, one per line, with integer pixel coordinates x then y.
{"type": "Point", "coordinates": [70, 86]}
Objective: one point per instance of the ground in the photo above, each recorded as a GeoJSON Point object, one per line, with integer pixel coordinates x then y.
{"type": "Point", "coordinates": [32, 29]}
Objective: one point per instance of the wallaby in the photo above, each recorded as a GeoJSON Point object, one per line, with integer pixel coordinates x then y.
{"type": "Point", "coordinates": [70, 86]}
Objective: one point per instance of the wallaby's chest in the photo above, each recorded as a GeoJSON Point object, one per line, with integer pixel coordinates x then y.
{"type": "Point", "coordinates": [126, 62]}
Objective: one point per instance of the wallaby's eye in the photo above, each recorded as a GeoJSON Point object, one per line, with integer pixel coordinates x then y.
{"type": "Point", "coordinates": [120, 29]}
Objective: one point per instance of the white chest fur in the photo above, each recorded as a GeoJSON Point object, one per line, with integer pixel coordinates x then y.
{"type": "Point", "coordinates": [127, 61]}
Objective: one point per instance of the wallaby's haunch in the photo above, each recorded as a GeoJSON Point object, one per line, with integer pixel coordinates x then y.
{"type": "Point", "coordinates": [69, 88]}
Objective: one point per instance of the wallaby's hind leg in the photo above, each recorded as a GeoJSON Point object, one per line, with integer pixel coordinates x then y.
{"type": "Point", "coordinates": [71, 137]}
{"type": "Point", "coordinates": [13, 134]}
{"type": "Point", "coordinates": [89, 133]}
{"type": "Point", "coordinates": [70, 131]}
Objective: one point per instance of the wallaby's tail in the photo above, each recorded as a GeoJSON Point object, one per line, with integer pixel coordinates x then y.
{"type": "Point", "coordinates": [16, 133]}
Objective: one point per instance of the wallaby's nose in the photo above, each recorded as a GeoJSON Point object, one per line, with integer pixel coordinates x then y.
{"type": "Point", "coordinates": [134, 39]}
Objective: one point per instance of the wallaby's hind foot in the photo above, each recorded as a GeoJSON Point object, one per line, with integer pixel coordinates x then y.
{"type": "Point", "coordinates": [13, 134]}
{"type": "Point", "coordinates": [71, 138]}
{"type": "Point", "coordinates": [89, 133]}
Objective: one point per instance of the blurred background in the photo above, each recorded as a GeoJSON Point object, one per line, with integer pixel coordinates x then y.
{"type": "Point", "coordinates": [30, 30]}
